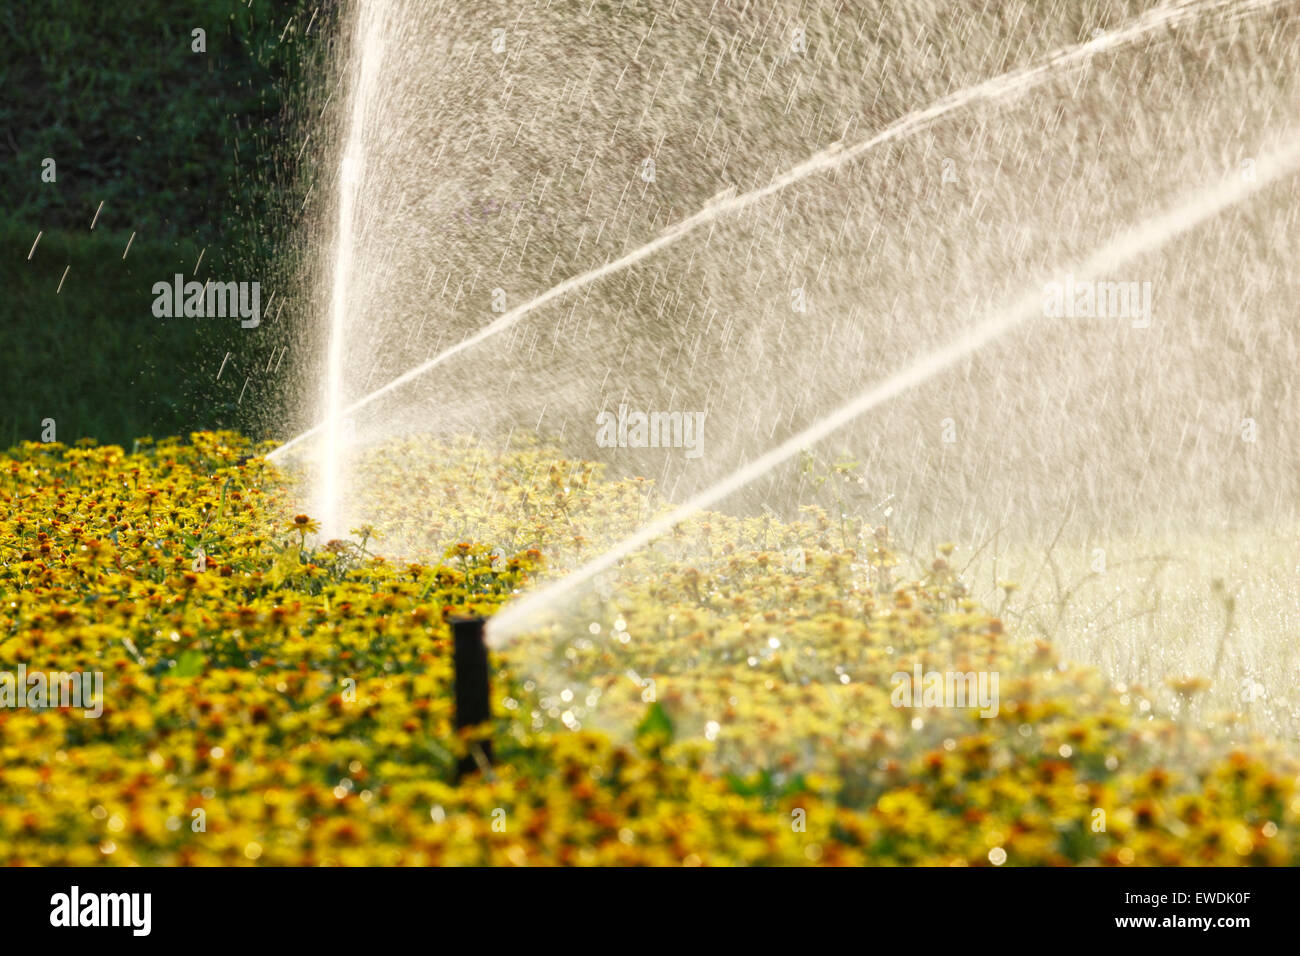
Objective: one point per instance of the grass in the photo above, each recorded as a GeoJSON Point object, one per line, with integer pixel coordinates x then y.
{"type": "Point", "coordinates": [134, 117]}
{"type": "Point", "coordinates": [93, 357]}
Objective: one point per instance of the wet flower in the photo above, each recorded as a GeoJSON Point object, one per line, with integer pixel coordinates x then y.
{"type": "Point", "coordinates": [305, 524]}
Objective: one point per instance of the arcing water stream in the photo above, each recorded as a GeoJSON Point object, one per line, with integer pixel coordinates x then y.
{"type": "Point", "coordinates": [1002, 88]}
{"type": "Point", "coordinates": [368, 44]}
{"type": "Point", "coordinates": [1146, 237]}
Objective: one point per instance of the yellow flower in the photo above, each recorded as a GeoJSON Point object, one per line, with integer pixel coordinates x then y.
{"type": "Point", "coordinates": [305, 524]}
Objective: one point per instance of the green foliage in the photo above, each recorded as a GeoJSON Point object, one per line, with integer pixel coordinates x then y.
{"type": "Point", "coordinates": [766, 785]}
{"type": "Point", "coordinates": [93, 357]}
{"type": "Point", "coordinates": [192, 153]}
{"type": "Point", "coordinates": [189, 664]}
{"type": "Point", "coordinates": [656, 730]}
{"type": "Point", "coordinates": [134, 117]}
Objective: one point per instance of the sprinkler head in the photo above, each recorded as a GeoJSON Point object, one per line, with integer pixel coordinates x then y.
{"type": "Point", "coordinates": [470, 665]}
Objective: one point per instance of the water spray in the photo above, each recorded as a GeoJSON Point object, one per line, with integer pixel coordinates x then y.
{"type": "Point", "coordinates": [1193, 210]}
{"type": "Point", "coordinates": [367, 50]}
{"type": "Point", "coordinates": [996, 91]}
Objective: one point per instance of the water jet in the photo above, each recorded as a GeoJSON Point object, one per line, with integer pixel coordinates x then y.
{"type": "Point", "coordinates": [1191, 212]}
{"type": "Point", "coordinates": [997, 91]}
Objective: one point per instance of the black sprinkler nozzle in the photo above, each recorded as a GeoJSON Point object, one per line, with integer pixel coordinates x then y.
{"type": "Point", "coordinates": [470, 664]}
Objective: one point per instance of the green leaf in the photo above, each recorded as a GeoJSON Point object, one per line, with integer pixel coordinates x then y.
{"type": "Point", "coordinates": [189, 664]}
{"type": "Point", "coordinates": [766, 785]}
{"type": "Point", "coordinates": [656, 729]}
{"type": "Point", "coordinates": [741, 786]}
